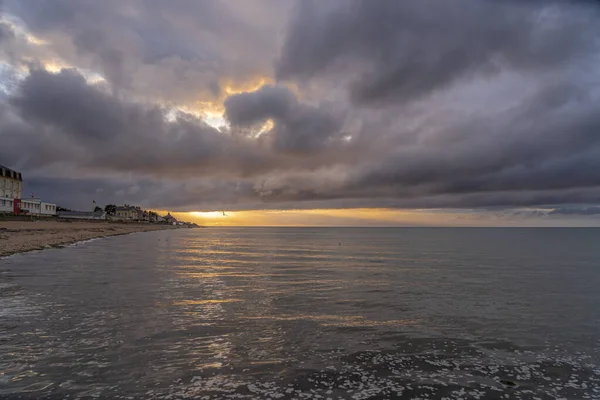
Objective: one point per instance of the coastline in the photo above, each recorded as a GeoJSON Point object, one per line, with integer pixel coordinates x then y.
{"type": "Point", "coordinates": [23, 236]}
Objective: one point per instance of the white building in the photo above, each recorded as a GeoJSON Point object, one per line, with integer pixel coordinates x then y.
{"type": "Point", "coordinates": [11, 196]}
{"type": "Point", "coordinates": [89, 215]}
{"type": "Point", "coordinates": [11, 183]}
{"type": "Point", "coordinates": [7, 205]}
{"type": "Point", "coordinates": [48, 209]}
{"type": "Point", "coordinates": [37, 207]}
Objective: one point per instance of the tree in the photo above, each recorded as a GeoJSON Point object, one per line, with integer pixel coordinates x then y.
{"type": "Point", "coordinates": [98, 209]}
{"type": "Point", "coordinates": [110, 209]}
{"type": "Point", "coordinates": [59, 208]}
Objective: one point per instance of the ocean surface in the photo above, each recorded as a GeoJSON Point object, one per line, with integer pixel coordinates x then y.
{"type": "Point", "coordinates": [303, 313]}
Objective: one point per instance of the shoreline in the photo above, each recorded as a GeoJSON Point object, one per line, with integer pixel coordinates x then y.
{"type": "Point", "coordinates": [23, 236]}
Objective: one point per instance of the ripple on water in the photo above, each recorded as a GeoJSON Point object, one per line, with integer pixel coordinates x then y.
{"type": "Point", "coordinates": [290, 314]}
{"type": "Point", "coordinates": [450, 369]}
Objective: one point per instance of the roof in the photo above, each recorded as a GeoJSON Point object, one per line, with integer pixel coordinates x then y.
{"type": "Point", "coordinates": [127, 208]}
{"type": "Point", "coordinates": [9, 173]}
{"type": "Point", "coordinates": [169, 216]}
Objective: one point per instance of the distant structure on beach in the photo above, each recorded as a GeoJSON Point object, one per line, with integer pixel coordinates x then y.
{"type": "Point", "coordinates": [12, 202]}
{"type": "Point", "coordinates": [171, 220]}
{"type": "Point", "coordinates": [37, 207]}
{"type": "Point", "coordinates": [87, 215]}
{"type": "Point", "coordinates": [131, 213]}
{"type": "Point", "coordinates": [11, 197]}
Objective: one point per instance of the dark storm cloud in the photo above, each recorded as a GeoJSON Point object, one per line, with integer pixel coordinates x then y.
{"type": "Point", "coordinates": [252, 107]}
{"type": "Point", "coordinates": [175, 51]}
{"type": "Point", "coordinates": [62, 119]}
{"type": "Point", "coordinates": [404, 49]}
{"type": "Point", "coordinates": [297, 127]}
{"type": "Point", "coordinates": [401, 104]}
{"type": "Point", "coordinates": [105, 132]}
{"type": "Point", "coordinates": [6, 32]}
{"type": "Point", "coordinates": [65, 100]}
{"type": "Point", "coordinates": [148, 193]}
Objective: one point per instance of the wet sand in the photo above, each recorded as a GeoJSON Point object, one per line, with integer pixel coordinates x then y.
{"type": "Point", "coordinates": [22, 236]}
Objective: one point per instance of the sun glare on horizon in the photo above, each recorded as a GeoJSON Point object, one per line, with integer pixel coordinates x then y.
{"type": "Point", "coordinates": [208, 214]}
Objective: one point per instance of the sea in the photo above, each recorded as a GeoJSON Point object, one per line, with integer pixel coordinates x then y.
{"type": "Point", "coordinates": [306, 313]}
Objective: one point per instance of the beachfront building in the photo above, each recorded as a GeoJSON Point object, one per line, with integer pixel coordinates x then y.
{"type": "Point", "coordinates": [7, 205]}
{"type": "Point", "coordinates": [171, 220]}
{"type": "Point", "coordinates": [131, 213]}
{"type": "Point", "coordinates": [82, 215]}
{"type": "Point", "coordinates": [11, 196]}
{"type": "Point", "coordinates": [11, 183]}
{"type": "Point", "coordinates": [48, 209]}
{"type": "Point", "coordinates": [127, 213]}
{"type": "Point", "coordinates": [36, 207]}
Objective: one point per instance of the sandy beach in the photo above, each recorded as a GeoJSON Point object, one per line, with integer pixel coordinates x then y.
{"type": "Point", "coordinates": [22, 236]}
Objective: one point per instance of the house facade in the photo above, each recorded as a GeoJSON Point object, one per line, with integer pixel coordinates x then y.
{"type": "Point", "coordinates": [7, 205]}
{"type": "Point", "coordinates": [36, 207]}
{"type": "Point", "coordinates": [127, 213]}
{"type": "Point", "coordinates": [131, 213]}
{"type": "Point", "coordinates": [169, 219]}
{"type": "Point", "coordinates": [11, 183]}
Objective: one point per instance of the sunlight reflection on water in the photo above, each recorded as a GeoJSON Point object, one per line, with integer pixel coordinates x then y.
{"type": "Point", "coordinates": [251, 313]}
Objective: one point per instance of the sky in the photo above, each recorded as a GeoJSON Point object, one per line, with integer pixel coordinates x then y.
{"type": "Point", "coordinates": [309, 112]}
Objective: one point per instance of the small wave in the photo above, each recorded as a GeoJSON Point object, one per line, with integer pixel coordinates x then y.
{"type": "Point", "coordinates": [83, 242]}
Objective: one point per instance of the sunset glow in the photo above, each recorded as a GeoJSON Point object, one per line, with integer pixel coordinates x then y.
{"type": "Point", "coordinates": [374, 217]}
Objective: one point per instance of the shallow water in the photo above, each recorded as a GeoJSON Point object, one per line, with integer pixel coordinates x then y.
{"type": "Point", "coordinates": [298, 313]}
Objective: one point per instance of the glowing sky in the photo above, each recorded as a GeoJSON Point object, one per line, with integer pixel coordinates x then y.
{"type": "Point", "coordinates": [285, 112]}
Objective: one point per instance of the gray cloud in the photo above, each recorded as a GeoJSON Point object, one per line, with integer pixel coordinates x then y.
{"type": "Point", "coordinates": [73, 128]}
{"type": "Point", "coordinates": [401, 50]}
{"type": "Point", "coordinates": [6, 32]}
{"type": "Point", "coordinates": [478, 104]}
{"type": "Point", "coordinates": [297, 127]}
{"type": "Point", "coordinates": [591, 210]}
{"type": "Point", "coordinates": [150, 193]}
{"type": "Point", "coordinates": [267, 102]}
{"type": "Point", "coordinates": [174, 52]}
{"type": "Point", "coordinates": [99, 131]}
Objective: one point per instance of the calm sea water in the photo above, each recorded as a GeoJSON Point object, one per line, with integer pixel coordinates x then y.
{"type": "Point", "coordinates": [306, 314]}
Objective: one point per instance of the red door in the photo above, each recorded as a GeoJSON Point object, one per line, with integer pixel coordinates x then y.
{"type": "Point", "coordinates": [17, 206]}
